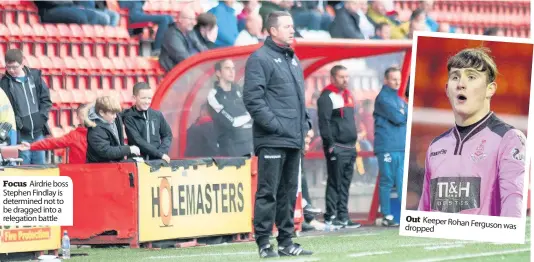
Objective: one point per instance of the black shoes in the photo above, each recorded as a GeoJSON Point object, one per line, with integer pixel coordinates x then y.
{"type": "Point", "coordinates": [267, 251]}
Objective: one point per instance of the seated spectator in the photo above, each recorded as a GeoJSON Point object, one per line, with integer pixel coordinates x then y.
{"type": "Point", "coordinates": [427, 6]}
{"type": "Point", "coordinates": [66, 12]}
{"type": "Point", "coordinates": [146, 128]}
{"type": "Point", "coordinates": [226, 22]}
{"type": "Point", "coordinates": [252, 33]}
{"type": "Point", "coordinates": [444, 28]}
{"type": "Point", "coordinates": [105, 139]}
{"type": "Point", "coordinates": [99, 7]}
{"type": "Point", "coordinates": [494, 31]}
{"type": "Point", "coordinates": [347, 22]}
{"type": "Point", "coordinates": [232, 120]}
{"type": "Point", "coordinates": [416, 26]}
{"type": "Point", "coordinates": [268, 7]}
{"type": "Point", "coordinates": [201, 136]}
{"type": "Point", "coordinates": [311, 15]}
{"type": "Point", "coordinates": [136, 14]}
{"type": "Point", "coordinates": [179, 43]}
{"type": "Point", "coordinates": [75, 140]}
{"type": "Point", "coordinates": [377, 14]}
{"type": "Point", "coordinates": [418, 17]}
{"type": "Point", "coordinates": [382, 32]}
{"type": "Point", "coordinates": [206, 30]}
{"type": "Point", "coordinates": [249, 7]}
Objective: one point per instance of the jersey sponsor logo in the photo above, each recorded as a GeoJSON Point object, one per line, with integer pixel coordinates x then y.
{"type": "Point", "coordinates": [479, 152]}
{"type": "Point", "coordinates": [517, 154]}
{"type": "Point", "coordinates": [455, 194]}
{"type": "Point", "coordinates": [437, 153]}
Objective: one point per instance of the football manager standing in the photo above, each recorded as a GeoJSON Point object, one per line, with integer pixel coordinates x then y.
{"type": "Point", "coordinates": [274, 96]}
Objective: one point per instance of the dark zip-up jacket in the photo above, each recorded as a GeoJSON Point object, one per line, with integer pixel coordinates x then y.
{"type": "Point", "coordinates": [232, 121]}
{"type": "Point", "coordinates": [391, 116]}
{"type": "Point", "coordinates": [149, 131]}
{"type": "Point", "coordinates": [31, 103]}
{"type": "Point", "coordinates": [336, 118]}
{"type": "Point", "coordinates": [105, 141]}
{"type": "Point", "coordinates": [274, 96]}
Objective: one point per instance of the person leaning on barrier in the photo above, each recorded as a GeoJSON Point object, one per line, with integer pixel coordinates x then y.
{"type": "Point", "coordinates": [105, 139]}
{"type": "Point", "coordinates": [75, 140]}
{"type": "Point", "coordinates": [145, 127]}
{"type": "Point", "coordinates": [232, 121]}
{"type": "Point", "coordinates": [274, 97]}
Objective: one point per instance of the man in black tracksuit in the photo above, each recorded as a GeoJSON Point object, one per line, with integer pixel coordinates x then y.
{"type": "Point", "coordinates": [337, 126]}
{"type": "Point", "coordinates": [30, 98]}
{"type": "Point", "coordinates": [232, 121]}
{"type": "Point", "coordinates": [274, 97]}
{"type": "Point", "coordinates": [145, 127]}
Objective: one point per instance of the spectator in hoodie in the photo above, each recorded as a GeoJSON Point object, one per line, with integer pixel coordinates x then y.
{"type": "Point", "coordinates": [105, 139]}
{"type": "Point", "coordinates": [206, 30]}
{"type": "Point", "coordinates": [75, 141]}
{"type": "Point", "coordinates": [30, 98]}
{"type": "Point", "coordinates": [179, 43]}
{"type": "Point", "coordinates": [232, 120]}
{"type": "Point", "coordinates": [347, 22]}
{"type": "Point", "coordinates": [249, 7]}
{"type": "Point", "coordinates": [202, 136]}
{"type": "Point", "coordinates": [66, 12]}
{"type": "Point", "coordinates": [227, 23]}
{"type": "Point", "coordinates": [136, 14]}
{"type": "Point", "coordinates": [111, 17]}
{"type": "Point", "coordinates": [252, 33]}
{"type": "Point", "coordinates": [146, 128]}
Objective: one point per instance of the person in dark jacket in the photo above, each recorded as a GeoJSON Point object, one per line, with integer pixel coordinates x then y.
{"type": "Point", "coordinates": [30, 98]}
{"type": "Point", "coordinates": [179, 41]}
{"type": "Point", "coordinates": [202, 136]}
{"type": "Point", "coordinates": [105, 138]}
{"type": "Point", "coordinates": [391, 116]}
{"type": "Point", "coordinates": [232, 121]}
{"type": "Point", "coordinates": [67, 12]}
{"type": "Point", "coordinates": [274, 97]}
{"type": "Point", "coordinates": [338, 132]}
{"type": "Point", "coordinates": [145, 127]}
{"type": "Point", "coordinates": [206, 30]}
{"type": "Point", "coordinates": [347, 22]}
{"type": "Point", "coordinates": [311, 15]}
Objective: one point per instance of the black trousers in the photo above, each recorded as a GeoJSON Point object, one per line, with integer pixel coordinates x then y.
{"type": "Point", "coordinates": [340, 168]}
{"type": "Point", "coordinates": [278, 172]}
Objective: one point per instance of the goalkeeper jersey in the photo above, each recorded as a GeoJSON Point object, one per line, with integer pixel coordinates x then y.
{"type": "Point", "coordinates": [479, 172]}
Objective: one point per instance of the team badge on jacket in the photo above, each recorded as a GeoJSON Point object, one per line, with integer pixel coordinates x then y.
{"type": "Point", "coordinates": [479, 152]}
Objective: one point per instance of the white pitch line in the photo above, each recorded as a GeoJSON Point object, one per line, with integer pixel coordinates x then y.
{"type": "Point", "coordinates": [486, 254]}
{"type": "Point", "coordinates": [360, 235]}
{"type": "Point", "coordinates": [443, 247]}
{"type": "Point", "coordinates": [205, 255]}
{"type": "Point", "coordinates": [438, 244]}
{"type": "Point", "coordinates": [364, 254]}
{"type": "Point", "coordinates": [300, 260]}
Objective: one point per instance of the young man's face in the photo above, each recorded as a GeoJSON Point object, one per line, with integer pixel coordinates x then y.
{"type": "Point", "coordinates": [109, 116]}
{"type": "Point", "coordinates": [143, 99]}
{"type": "Point", "coordinates": [15, 69]}
{"type": "Point", "coordinates": [227, 72]}
{"type": "Point", "coordinates": [468, 90]}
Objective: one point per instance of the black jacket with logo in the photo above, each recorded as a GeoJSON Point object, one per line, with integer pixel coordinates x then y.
{"type": "Point", "coordinates": [232, 121]}
{"type": "Point", "coordinates": [149, 131]}
{"type": "Point", "coordinates": [31, 103]}
{"type": "Point", "coordinates": [336, 118]}
{"type": "Point", "coordinates": [274, 96]}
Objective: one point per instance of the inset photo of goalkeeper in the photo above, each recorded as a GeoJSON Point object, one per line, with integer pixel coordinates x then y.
{"type": "Point", "coordinates": [465, 165]}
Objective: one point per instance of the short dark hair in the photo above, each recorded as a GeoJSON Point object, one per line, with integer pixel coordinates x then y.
{"type": "Point", "coordinates": [391, 69]}
{"type": "Point", "coordinates": [206, 20]}
{"type": "Point", "coordinates": [335, 69]}
{"type": "Point", "coordinates": [272, 19]}
{"type": "Point", "coordinates": [491, 31]}
{"type": "Point", "coordinates": [380, 26]}
{"type": "Point", "coordinates": [478, 58]}
{"type": "Point", "coordinates": [417, 12]}
{"type": "Point", "coordinates": [218, 65]}
{"type": "Point", "coordinates": [140, 86]}
{"type": "Point", "coordinates": [14, 55]}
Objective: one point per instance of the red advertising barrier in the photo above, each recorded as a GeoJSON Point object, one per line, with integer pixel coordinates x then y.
{"type": "Point", "coordinates": [105, 203]}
